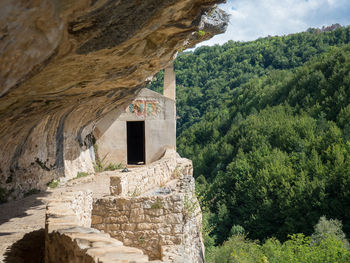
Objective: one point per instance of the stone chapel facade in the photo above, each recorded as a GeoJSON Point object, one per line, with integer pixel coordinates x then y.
{"type": "Point", "coordinates": [140, 132]}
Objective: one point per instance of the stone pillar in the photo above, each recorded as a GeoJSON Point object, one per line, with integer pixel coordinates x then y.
{"type": "Point", "coordinates": [169, 89]}
{"type": "Point", "coordinates": [169, 82]}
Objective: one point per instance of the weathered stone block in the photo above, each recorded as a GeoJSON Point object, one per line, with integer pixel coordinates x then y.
{"type": "Point", "coordinates": [120, 219]}
{"type": "Point", "coordinates": [128, 227]}
{"type": "Point", "coordinates": [174, 219]}
{"type": "Point", "coordinates": [177, 228]}
{"type": "Point", "coordinates": [112, 227]}
{"type": "Point", "coordinates": [177, 197]}
{"type": "Point", "coordinates": [178, 207]}
{"type": "Point", "coordinates": [157, 219]}
{"type": "Point", "coordinates": [154, 212]}
{"type": "Point", "coordinates": [136, 205]}
{"type": "Point", "coordinates": [144, 226]}
{"type": "Point", "coordinates": [138, 219]}
{"type": "Point", "coordinates": [136, 212]}
{"type": "Point", "coordinates": [164, 231]}
{"type": "Point", "coordinates": [96, 219]}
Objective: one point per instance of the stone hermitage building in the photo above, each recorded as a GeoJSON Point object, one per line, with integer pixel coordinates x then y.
{"type": "Point", "coordinates": [140, 132]}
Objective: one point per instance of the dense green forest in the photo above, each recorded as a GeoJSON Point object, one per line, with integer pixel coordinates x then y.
{"type": "Point", "coordinates": [267, 125]}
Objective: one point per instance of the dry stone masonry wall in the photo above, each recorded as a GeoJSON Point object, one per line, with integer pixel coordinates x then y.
{"type": "Point", "coordinates": [165, 222]}
{"type": "Point", "coordinates": [162, 225]}
{"type": "Point", "coordinates": [69, 238]}
{"type": "Point", "coordinates": [140, 180]}
{"type": "Point", "coordinates": [69, 209]}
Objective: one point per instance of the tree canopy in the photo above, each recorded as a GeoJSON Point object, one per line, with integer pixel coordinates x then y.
{"type": "Point", "coordinates": [267, 125]}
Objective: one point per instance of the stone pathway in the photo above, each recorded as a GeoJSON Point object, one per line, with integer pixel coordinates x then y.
{"type": "Point", "coordinates": [18, 218]}
{"type": "Point", "coordinates": [22, 221]}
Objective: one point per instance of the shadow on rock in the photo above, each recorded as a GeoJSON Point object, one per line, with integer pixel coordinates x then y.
{"type": "Point", "coordinates": [29, 249]}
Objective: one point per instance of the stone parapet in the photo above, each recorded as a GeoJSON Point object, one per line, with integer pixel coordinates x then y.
{"type": "Point", "coordinates": [164, 223]}
{"type": "Point", "coordinates": [68, 209]}
{"type": "Point", "coordinates": [88, 245]}
{"type": "Point", "coordinates": [69, 238]}
{"type": "Point", "coordinates": [142, 179]}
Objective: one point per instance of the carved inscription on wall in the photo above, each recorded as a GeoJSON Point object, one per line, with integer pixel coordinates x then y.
{"type": "Point", "coordinates": [143, 108]}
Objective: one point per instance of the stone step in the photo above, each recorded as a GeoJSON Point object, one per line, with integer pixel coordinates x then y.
{"type": "Point", "coordinates": [103, 248]}
{"type": "Point", "coordinates": [95, 237]}
{"type": "Point", "coordinates": [115, 250]}
{"type": "Point", "coordinates": [122, 258]}
{"type": "Point", "coordinates": [118, 254]}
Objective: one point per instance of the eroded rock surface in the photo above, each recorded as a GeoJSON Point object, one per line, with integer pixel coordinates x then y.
{"type": "Point", "coordinates": [64, 64]}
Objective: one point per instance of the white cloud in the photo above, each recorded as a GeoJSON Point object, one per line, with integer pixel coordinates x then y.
{"type": "Point", "coordinates": [251, 19]}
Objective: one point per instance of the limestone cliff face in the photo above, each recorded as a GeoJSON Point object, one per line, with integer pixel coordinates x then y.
{"type": "Point", "coordinates": [64, 64]}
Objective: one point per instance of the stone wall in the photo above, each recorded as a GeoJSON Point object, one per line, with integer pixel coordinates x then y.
{"type": "Point", "coordinates": [142, 179]}
{"type": "Point", "coordinates": [69, 238]}
{"type": "Point", "coordinates": [88, 245]}
{"type": "Point", "coordinates": [165, 223]}
{"type": "Point", "coordinates": [68, 209]}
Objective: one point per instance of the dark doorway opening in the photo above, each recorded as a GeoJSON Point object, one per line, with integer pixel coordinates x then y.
{"type": "Point", "coordinates": [136, 142]}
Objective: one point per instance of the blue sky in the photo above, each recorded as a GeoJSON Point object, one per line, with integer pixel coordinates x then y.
{"type": "Point", "coordinates": [251, 19]}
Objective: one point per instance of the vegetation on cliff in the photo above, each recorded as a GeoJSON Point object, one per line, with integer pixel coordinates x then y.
{"type": "Point", "coordinates": [326, 244]}
{"type": "Point", "coordinates": [267, 125]}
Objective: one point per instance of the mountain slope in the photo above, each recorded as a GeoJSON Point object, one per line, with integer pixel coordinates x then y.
{"type": "Point", "coordinates": [266, 124]}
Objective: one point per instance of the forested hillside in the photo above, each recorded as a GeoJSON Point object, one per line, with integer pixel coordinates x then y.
{"type": "Point", "coordinates": [267, 125]}
{"type": "Point", "coordinates": [206, 77]}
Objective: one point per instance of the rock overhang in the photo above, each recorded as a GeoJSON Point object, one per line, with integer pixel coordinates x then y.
{"type": "Point", "coordinates": [65, 64]}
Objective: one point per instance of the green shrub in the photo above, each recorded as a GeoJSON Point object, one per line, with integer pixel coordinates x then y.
{"type": "Point", "coordinates": [237, 230]}
{"type": "Point", "coordinates": [136, 192]}
{"type": "Point", "coordinates": [82, 174]}
{"type": "Point", "coordinates": [54, 183]}
{"type": "Point", "coordinates": [191, 208]}
{"type": "Point", "coordinates": [238, 249]}
{"type": "Point", "coordinates": [157, 204]}
{"type": "Point", "coordinates": [297, 249]}
{"type": "Point", "coordinates": [98, 167]}
{"type": "Point", "coordinates": [113, 167]}
{"type": "Point", "coordinates": [201, 33]}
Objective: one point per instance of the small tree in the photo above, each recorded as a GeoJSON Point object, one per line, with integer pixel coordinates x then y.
{"type": "Point", "coordinates": [329, 228]}
{"type": "Point", "coordinates": [237, 230]}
